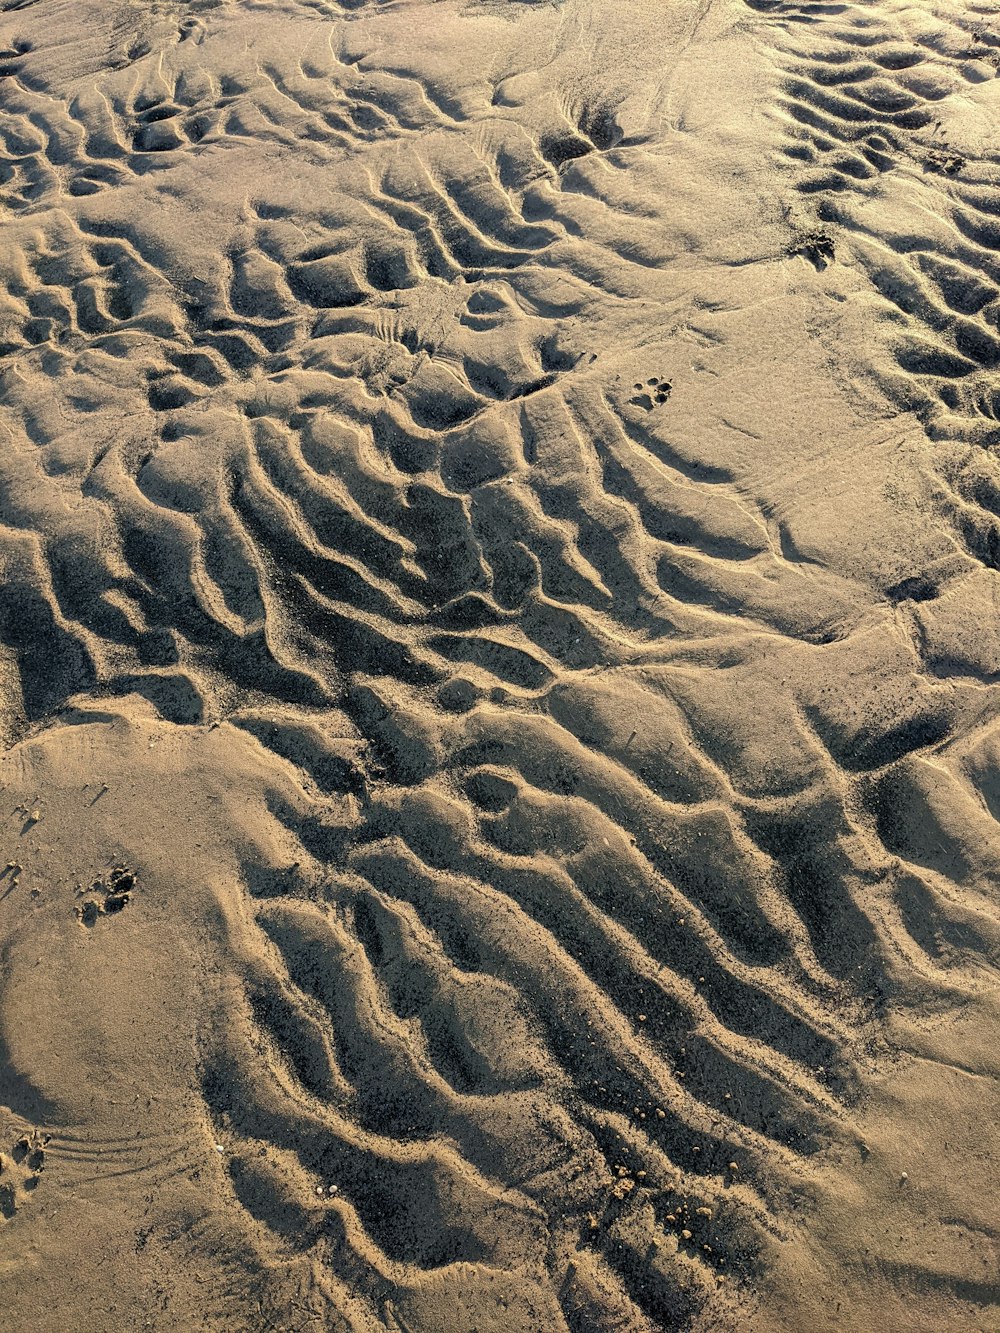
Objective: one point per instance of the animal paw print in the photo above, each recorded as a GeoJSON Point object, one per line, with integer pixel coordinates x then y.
{"type": "Point", "coordinates": [944, 163]}
{"type": "Point", "coordinates": [107, 896]}
{"type": "Point", "coordinates": [654, 393]}
{"type": "Point", "coordinates": [20, 1171]}
{"type": "Point", "coordinates": [817, 247]}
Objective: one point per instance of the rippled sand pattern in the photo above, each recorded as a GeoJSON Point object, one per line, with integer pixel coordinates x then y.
{"type": "Point", "coordinates": [548, 456]}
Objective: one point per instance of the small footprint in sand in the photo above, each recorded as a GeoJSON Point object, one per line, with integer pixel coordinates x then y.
{"type": "Point", "coordinates": [943, 162]}
{"type": "Point", "coordinates": [107, 896]}
{"type": "Point", "coordinates": [20, 1171]}
{"type": "Point", "coordinates": [654, 393]}
{"type": "Point", "coordinates": [817, 247]}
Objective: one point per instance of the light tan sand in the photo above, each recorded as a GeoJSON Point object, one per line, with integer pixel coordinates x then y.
{"type": "Point", "coordinates": [500, 643]}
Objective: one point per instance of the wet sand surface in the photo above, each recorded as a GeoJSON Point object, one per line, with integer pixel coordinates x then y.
{"type": "Point", "coordinates": [499, 648]}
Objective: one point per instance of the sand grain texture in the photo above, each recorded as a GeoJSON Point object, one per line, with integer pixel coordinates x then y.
{"type": "Point", "coordinates": [499, 540]}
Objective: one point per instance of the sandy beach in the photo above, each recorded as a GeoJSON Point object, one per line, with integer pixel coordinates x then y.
{"type": "Point", "coordinates": [499, 666]}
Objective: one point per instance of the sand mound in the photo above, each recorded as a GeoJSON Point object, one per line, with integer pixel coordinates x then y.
{"type": "Point", "coordinates": [499, 550]}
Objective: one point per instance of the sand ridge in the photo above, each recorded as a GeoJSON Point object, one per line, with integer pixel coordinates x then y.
{"type": "Point", "coordinates": [498, 545]}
